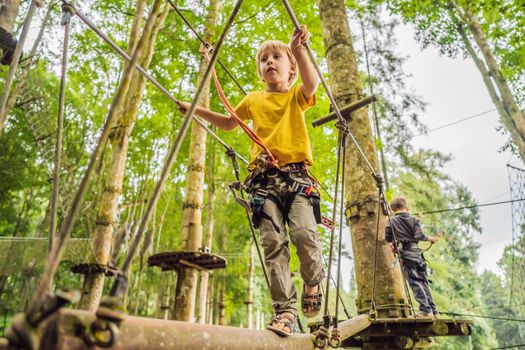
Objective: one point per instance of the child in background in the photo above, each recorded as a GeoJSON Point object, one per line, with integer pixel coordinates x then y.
{"type": "Point", "coordinates": [408, 233]}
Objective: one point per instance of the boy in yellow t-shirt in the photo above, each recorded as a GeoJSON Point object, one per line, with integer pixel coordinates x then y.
{"type": "Point", "coordinates": [285, 194]}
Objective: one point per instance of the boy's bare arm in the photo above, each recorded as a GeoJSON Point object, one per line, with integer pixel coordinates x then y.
{"type": "Point", "coordinates": [433, 239]}
{"type": "Point", "coordinates": [220, 120]}
{"type": "Point", "coordinates": [306, 69]}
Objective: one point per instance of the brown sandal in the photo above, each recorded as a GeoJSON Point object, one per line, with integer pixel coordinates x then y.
{"type": "Point", "coordinates": [311, 303]}
{"type": "Point", "coordinates": [287, 320]}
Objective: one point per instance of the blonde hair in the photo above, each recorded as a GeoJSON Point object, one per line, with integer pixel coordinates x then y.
{"type": "Point", "coordinates": [279, 46]}
{"type": "Point", "coordinates": [399, 203]}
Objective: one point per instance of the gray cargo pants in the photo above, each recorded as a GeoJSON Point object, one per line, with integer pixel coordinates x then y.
{"type": "Point", "coordinates": [305, 237]}
{"type": "Point", "coordinates": [416, 274]}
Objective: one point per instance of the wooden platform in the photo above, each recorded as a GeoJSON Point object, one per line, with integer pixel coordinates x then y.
{"type": "Point", "coordinates": [405, 333]}
{"type": "Point", "coordinates": [200, 260]}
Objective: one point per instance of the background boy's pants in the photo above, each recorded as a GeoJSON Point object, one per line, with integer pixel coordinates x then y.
{"type": "Point", "coordinates": [305, 237]}
{"type": "Point", "coordinates": [416, 274]}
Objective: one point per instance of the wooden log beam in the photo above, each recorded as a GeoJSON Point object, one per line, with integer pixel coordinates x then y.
{"type": "Point", "coordinates": [345, 111]}
{"type": "Point", "coordinates": [139, 333]}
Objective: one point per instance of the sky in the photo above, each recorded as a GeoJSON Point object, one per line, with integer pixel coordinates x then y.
{"type": "Point", "coordinates": [453, 89]}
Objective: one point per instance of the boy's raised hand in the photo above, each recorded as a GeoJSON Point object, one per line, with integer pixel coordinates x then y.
{"type": "Point", "coordinates": [433, 239]}
{"type": "Point", "coordinates": [299, 37]}
{"type": "Point", "coordinates": [183, 106]}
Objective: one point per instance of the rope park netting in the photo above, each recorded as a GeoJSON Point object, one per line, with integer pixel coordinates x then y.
{"type": "Point", "coordinates": [59, 250]}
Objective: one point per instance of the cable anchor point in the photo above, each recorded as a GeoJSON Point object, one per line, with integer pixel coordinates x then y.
{"type": "Point", "coordinates": [104, 330]}
{"type": "Point", "coordinates": [322, 335]}
{"type": "Point", "coordinates": [68, 11]}
{"type": "Point", "coordinates": [335, 338]}
{"type": "Point", "coordinates": [22, 334]}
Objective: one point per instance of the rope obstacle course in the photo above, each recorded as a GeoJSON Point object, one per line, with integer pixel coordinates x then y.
{"type": "Point", "coordinates": [105, 321]}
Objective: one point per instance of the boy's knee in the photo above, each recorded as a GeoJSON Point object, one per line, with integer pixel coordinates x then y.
{"type": "Point", "coordinates": [273, 242]}
{"type": "Point", "coordinates": [305, 237]}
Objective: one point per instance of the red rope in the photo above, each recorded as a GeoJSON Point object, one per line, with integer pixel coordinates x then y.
{"type": "Point", "coordinates": [272, 160]}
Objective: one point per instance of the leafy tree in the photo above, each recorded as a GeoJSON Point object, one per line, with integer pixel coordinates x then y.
{"type": "Point", "coordinates": [491, 33]}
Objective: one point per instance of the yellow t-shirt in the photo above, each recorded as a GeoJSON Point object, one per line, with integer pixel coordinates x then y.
{"type": "Point", "coordinates": [278, 120]}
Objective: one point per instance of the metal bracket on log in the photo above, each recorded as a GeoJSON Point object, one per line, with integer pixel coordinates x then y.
{"type": "Point", "coordinates": [354, 208]}
{"type": "Point", "coordinates": [345, 111]}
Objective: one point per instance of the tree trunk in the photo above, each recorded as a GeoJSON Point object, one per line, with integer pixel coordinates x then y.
{"type": "Point", "coordinates": [505, 117]}
{"type": "Point", "coordinates": [191, 230]}
{"type": "Point", "coordinates": [8, 13]}
{"type": "Point", "coordinates": [361, 191]}
{"type": "Point", "coordinates": [22, 77]}
{"type": "Point", "coordinates": [94, 282]}
{"type": "Point", "coordinates": [208, 240]}
{"type": "Point", "coordinates": [164, 303]}
{"type": "Point", "coordinates": [209, 305]}
{"type": "Point", "coordinates": [512, 117]}
{"type": "Point", "coordinates": [222, 306]}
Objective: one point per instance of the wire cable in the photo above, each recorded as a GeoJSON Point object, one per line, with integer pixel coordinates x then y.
{"type": "Point", "coordinates": [468, 207]}
{"type": "Point", "coordinates": [455, 122]}
{"type": "Point", "coordinates": [203, 42]}
{"type": "Point", "coordinates": [67, 13]}
{"type": "Point", "coordinates": [509, 347]}
{"type": "Point", "coordinates": [454, 314]}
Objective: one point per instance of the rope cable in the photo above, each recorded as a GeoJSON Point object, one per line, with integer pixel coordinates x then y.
{"type": "Point", "coordinates": [340, 247]}
{"type": "Point", "coordinates": [374, 112]}
{"type": "Point", "coordinates": [477, 115]}
{"type": "Point", "coordinates": [66, 21]}
{"type": "Point", "coordinates": [326, 313]}
{"type": "Point", "coordinates": [329, 92]}
{"type": "Point", "coordinates": [485, 316]}
{"type": "Point", "coordinates": [252, 228]}
{"type": "Point", "coordinates": [203, 42]}
{"type": "Point", "coordinates": [509, 347]}
{"type": "Point", "coordinates": [469, 207]}
{"type": "Point", "coordinates": [347, 314]}
{"type": "Point", "coordinates": [376, 243]}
